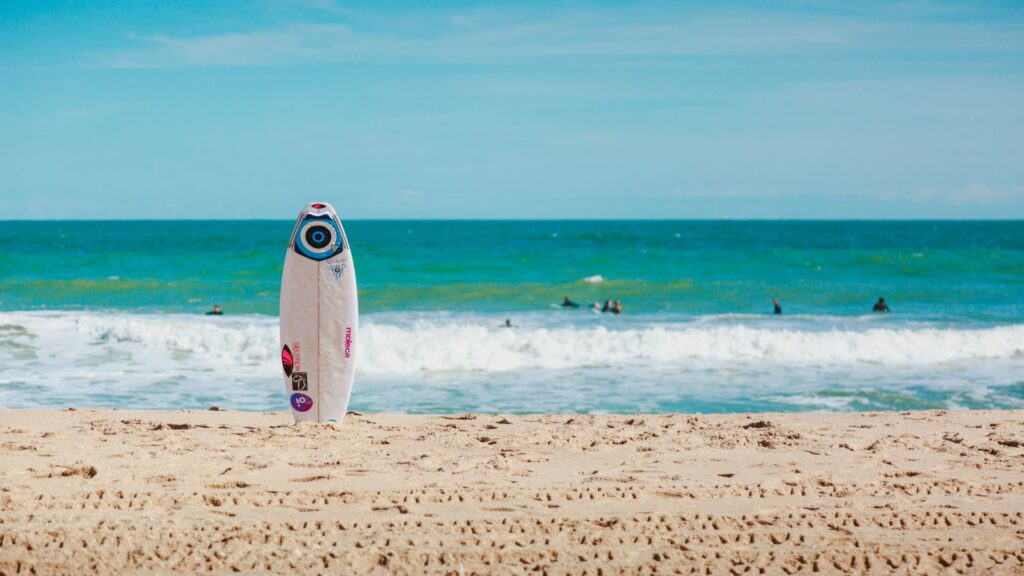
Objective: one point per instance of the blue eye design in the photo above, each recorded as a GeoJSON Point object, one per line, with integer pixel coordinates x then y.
{"type": "Point", "coordinates": [318, 238]}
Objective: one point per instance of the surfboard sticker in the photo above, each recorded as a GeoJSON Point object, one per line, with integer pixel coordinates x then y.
{"type": "Point", "coordinates": [320, 310]}
{"type": "Point", "coordinates": [301, 402]}
{"type": "Point", "coordinates": [286, 360]}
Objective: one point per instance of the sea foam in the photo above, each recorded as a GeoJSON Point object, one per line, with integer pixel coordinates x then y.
{"type": "Point", "coordinates": [451, 344]}
{"type": "Point", "coordinates": [171, 360]}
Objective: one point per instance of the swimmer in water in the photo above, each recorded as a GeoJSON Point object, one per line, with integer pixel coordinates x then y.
{"type": "Point", "coordinates": [778, 307]}
{"type": "Point", "coordinates": [566, 303]}
{"type": "Point", "coordinates": [617, 309]}
{"type": "Point", "coordinates": [216, 311]}
{"type": "Point", "coordinates": [607, 306]}
{"type": "Point", "coordinates": [881, 306]}
{"type": "Point", "coordinates": [508, 323]}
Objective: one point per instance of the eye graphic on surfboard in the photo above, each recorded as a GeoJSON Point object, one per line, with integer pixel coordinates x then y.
{"type": "Point", "coordinates": [318, 237]}
{"type": "Point", "coordinates": [319, 316]}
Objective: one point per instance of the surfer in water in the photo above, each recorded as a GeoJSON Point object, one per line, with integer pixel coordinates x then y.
{"type": "Point", "coordinates": [617, 309]}
{"type": "Point", "coordinates": [778, 307]}
{"type": "Point", "coordinates": [216, 311]}
{"type": "Point", "coordinates": [566, 303]}
{"type": "Point", "coordinates": [607, 306]}
{"type": "Point", "coordinates": [507, 324]}
{"type": "Point", "coordinates": [881, 306]}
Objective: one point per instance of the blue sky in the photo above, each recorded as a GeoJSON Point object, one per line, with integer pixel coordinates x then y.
{"type": "Point", "coordinates": [533, 110]}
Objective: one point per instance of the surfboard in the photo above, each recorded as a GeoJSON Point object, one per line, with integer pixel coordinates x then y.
{"type": "Point", "coordinates": [319, 317]}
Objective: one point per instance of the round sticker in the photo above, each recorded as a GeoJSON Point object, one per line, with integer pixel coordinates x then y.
{"type": "Point", "coordinates": [301, 402]}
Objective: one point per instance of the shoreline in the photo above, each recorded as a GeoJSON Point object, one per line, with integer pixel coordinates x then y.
{"type": "Point", "coordinates": [109, 490]}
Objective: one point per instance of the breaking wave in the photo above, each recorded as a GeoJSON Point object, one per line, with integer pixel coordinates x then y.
{"type": "Point", "coordinates": [467, 347]}
{"type": "Point", "coordinates": [455, 362]}
{"type": "Point", "coordinates": [153, 341]}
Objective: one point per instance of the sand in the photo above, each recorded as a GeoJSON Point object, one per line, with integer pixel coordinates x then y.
{"type": "Point", "coordinates": [117, 491]}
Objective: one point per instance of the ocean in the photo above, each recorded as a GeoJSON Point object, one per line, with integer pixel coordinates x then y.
{"type": "Point", "coordinates": [111, 314]}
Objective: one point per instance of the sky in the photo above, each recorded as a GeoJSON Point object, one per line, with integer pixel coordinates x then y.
{"type": "Point", "coordinates": [455, 110]}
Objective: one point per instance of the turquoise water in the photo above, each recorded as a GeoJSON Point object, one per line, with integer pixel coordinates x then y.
{"type": "Point", "coordinates": [109, 313]}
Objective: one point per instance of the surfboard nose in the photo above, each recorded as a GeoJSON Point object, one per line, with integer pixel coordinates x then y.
{"type": "Point", "coordinates": [320, 208]}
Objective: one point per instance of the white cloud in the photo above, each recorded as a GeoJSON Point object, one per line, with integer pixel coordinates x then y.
{"type": "Point", "coordinates": [724, 193]}
{"type": "Point", "coordinates": [462, 21]}
{"type": "Point", "coordinates": [84, 114]}
{"type": "Point", "coordinates": [296, 42]}
{"type": "Point", "coordinates": [328, 6]}
{"type": "Point", "coordinates": [493, 34]}
{"type": "Point", "coordinates": [411, 194]}
{"type": "Point", "coordinates": [974, 193]}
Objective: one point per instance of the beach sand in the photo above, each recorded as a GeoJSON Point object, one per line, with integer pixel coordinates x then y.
{"type": "Point", "coordinates": [120, 491]}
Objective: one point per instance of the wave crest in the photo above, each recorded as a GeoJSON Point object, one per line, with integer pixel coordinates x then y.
{"type": "Point", "coordinates": [151, 342]}
{"type": "Point", "coordinates": [441, 347]}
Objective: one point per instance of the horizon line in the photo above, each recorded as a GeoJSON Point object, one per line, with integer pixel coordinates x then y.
{"type": "Point", "coordinates": [691, 219]}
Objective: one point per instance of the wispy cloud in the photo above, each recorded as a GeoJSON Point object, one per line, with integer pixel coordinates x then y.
{"type": "Point", "coordinates": [291, 43]}
{"type": "Point", "coordinates": [974, 193]}
{"type": "Point", "coordinates": [462, 21]}
{"type": "Point", "coordinates": [328, 6]}
{"type": "Point", "coordinates": [695, 194]}
{"type": "Point", "coordinates": [82, 114]}
{"type": "Point", "coordinates": [411, 194]}
{"type": "Point", "coordinates": [490, 34]}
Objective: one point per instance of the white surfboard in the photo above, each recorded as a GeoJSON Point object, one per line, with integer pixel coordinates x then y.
{"type": "Point", "coordinates": [319, 317]}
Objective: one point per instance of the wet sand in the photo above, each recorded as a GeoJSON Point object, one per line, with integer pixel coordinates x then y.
{"type": "Point", "coordinates": [118, 491]}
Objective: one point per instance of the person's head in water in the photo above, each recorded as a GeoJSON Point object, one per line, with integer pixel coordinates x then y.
{"type": "Point", "coordinates": [216, 311]}
{"type": "Point", "coordinates": [508, 323]}
{"type": "Point", "coordinates": [607, 306]}
{"type": "Point", "coordinates": [778, 307]}
{"type": "Point", "coordinates": [618, 307]}
{"type": "Point", "coordinates": [566, 303]}
{"type": "Point", "coordinates": [881, 306]}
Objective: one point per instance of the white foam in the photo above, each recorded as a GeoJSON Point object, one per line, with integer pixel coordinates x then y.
{"type": "Point", "coordinates": [156, 341]}
{"type": "Point", "coordinates": [553, 362]}
{"type": "Point", "coordinates": [453, 346]}
{"type": "Point", "coordinates": [206, 342]}
{"type": "Point", "coordinates": [595, 279]}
